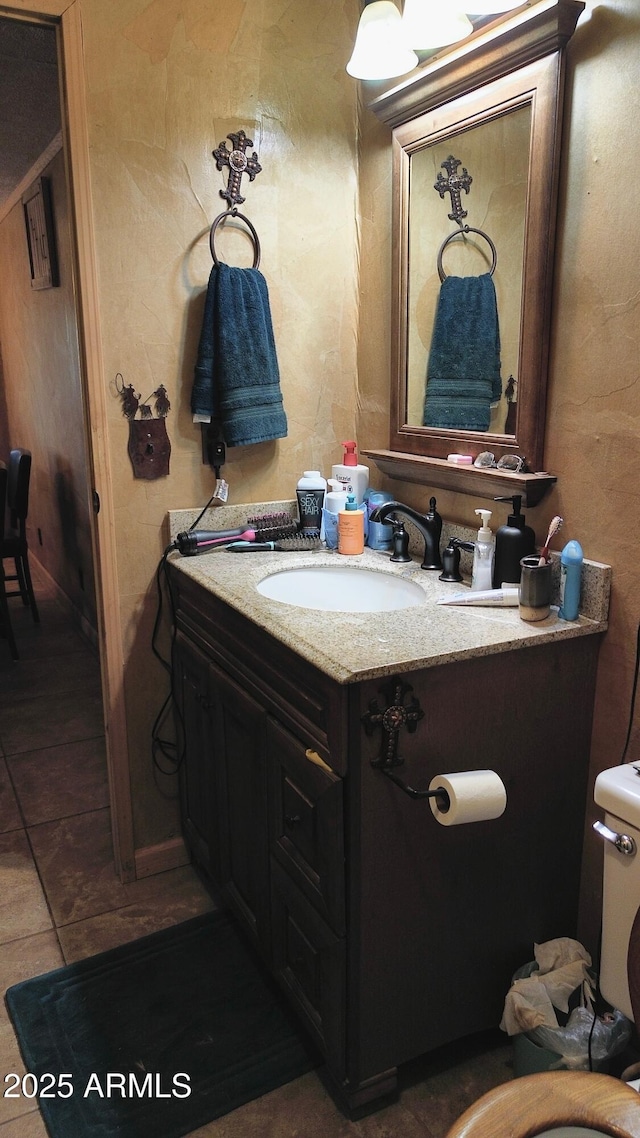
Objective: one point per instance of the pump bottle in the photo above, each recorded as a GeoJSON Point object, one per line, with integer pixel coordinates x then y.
{"type": "Point", "coordinates": [482, 572]}
{"type": "Point", "coordinates": [514, 541]}
{"type": "Point", "coordinates": [351, 472]}
{"type": "Point", "coordinates": [351, 528]}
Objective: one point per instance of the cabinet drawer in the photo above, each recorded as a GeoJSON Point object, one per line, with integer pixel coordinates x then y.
{"type": "Point", "coordinates": [309, 960]}
{"type": "Point", "coordinates": [306, 823]}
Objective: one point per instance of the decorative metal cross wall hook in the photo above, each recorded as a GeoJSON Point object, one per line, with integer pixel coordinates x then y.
{"type": "Point", "coordinates": [239, 163]}
{"type": "Point", "coordinates": [454, 185]}
{"type": "Point", "coordinates": [391, 718]}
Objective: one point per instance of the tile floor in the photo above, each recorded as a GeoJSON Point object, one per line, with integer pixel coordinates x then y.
{"type": "Point", "coordinates": [60, 899]}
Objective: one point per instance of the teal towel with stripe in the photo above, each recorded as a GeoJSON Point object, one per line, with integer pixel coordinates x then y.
{"type": "Point", "coordinates": [463, 370]}
{"type": "Point", "coordinates": [237, 379]}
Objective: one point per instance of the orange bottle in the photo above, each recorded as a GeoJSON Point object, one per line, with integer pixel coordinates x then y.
{"type": "Point", "coordinates": [351, 528]}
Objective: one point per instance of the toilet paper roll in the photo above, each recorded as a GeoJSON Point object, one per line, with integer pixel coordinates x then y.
{"type": "Point", "coordinates": [474, 796]}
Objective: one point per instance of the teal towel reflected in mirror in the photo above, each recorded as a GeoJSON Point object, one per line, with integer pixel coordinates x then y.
{"type": "Point", "coordinates": [463, 370]}
{"type": "Point", "coordinates": [237, 380]}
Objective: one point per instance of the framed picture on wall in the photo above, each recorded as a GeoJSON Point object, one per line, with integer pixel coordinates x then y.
{"type": "Point", "coordinates": [38, 218]}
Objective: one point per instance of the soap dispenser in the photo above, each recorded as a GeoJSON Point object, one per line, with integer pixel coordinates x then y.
{"type": "Point", "coordinates": [514, 541]}
{"type": "Point", "coordinates": [482, 572]}
{"type": "Point", "coordinates": [351, 473]}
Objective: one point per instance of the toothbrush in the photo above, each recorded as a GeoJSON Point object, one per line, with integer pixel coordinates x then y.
{"type": "Point", "coordinates": [556, 525]}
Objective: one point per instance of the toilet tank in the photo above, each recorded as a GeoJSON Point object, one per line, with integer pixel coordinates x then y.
{"type": "Point", "coordinates": [617, 792]}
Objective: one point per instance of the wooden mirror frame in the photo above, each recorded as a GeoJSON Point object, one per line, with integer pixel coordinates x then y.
{"type": "Point", "coordinates": [515, 61]}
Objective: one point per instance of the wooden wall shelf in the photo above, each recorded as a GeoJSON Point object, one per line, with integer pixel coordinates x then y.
{"type": "Point", "coordinates": [484, 482]}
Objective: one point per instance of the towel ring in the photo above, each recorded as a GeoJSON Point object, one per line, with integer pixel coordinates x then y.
{"type": "Point", "coordinates": [466, 229]}
{"type": "Point", "coordinates": [254, 236]}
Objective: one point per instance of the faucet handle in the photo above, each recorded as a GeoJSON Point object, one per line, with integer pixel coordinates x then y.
{"type": "Point", "coordinates": [400, 541]}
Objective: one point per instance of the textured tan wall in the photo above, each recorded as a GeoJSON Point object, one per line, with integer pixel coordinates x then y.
{"type": "Point", "coordinates": [167, 80]}
{"type": "Point", "coordinates": [593, 414]}
{"type": "Point", "coordinates": [43, 400]}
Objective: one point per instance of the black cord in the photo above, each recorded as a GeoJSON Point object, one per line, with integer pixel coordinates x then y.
{"type": "Point", "coordinates": [205, 508]}
{"type": "Point", "coordinates": [593, 1024]}
{"type": "Point", "coordinates": [172, 751]}
{"type": "Point", "coordinates": [633, 696]}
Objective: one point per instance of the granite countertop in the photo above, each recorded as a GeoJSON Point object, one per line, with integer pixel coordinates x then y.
{"type": "Point", "coordinates": [356, 646]}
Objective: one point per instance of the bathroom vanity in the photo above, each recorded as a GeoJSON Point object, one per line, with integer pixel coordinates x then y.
{"type": "Point", "coordinates": [390, 933]}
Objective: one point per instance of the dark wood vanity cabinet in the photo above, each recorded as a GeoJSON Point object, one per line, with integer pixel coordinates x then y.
{"type": "Point", "coordinates": [390, 933]}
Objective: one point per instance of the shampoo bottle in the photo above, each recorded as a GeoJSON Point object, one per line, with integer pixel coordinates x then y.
{"type": "Point", "coordinates": [351, 472]}
{"type": "Point", "coordinates": [570, 579]}
{"type": "Point", "coordinates": [514, 541]}
{"type": "Point", "coordinates": [482, 572]}
{"type": "Point", "coordinates": [351, 528]}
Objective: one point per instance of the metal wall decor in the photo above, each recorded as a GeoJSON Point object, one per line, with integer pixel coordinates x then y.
{"type": "Point", "coordinates": [239, 163]}
{"type": "Point", "coordinates": [454, 184]}
{"type": "Point", "coordinates": [149, 447]}
{"type": "Point", "coordinates": [38, 218]}
{"type": "Point", "coordinates": [391, 718]}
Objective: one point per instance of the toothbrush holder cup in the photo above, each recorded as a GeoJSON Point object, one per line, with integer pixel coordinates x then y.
{"type": "Point", "coordinates": [534, 596]}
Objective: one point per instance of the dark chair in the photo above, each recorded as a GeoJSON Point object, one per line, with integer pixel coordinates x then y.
{"type": "Point", "coordinates": [14, 542]}
{"type": "Point", "coordinates": [5, 618]}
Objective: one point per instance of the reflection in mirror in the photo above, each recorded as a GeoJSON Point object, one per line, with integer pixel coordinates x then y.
{"type": "Point", "coordinates": [491, 161]}
{"type": "Point", "coordinates": [489, 110]}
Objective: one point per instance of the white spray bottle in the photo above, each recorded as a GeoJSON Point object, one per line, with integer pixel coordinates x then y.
{"type": "Point", "coordinates": [482, 571]}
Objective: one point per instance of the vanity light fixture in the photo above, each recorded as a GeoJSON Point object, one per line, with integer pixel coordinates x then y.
{"type": "Point", "coordinates": [490, 7]}
{"type": "Point", "coordinates": [428, 24]}
{"type": "Point", "coordinates": [380, 50]}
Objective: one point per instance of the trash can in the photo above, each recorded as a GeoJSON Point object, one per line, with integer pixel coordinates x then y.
{"type": "Point", "coordinates": [550, 1015]}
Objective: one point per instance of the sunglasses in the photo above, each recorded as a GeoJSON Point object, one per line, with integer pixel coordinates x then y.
{"type": "Point", "coordinates": [511, 462]}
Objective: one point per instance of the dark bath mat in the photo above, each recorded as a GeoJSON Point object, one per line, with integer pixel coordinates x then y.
{"type": "Point", "coordinates": [188, 1007]}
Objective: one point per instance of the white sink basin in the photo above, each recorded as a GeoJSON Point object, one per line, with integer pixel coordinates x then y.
{"type": "Point", "coordinates": [341, 588]}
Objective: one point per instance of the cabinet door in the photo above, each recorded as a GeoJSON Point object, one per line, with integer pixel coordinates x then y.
{"type": "Point", "coordinates": [240, 757]}
{"type": "Point", "coordinates": [197, 773]}
{"type": "Point", "coordinates": [309, 961]}
{"type": "Point", "coordinates": [306, 822]}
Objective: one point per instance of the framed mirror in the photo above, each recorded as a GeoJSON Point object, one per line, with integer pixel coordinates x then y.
{"type": "Point", "coordinates": [476, 143]}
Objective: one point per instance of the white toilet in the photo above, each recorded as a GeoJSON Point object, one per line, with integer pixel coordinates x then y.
{"type": "Point", "coordinates": [617, 791]}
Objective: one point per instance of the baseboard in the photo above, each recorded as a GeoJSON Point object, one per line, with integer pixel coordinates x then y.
{"type": "Point", "coordinates": [75, 616]}
{"type": "Point", "coordinates": [165, 855]}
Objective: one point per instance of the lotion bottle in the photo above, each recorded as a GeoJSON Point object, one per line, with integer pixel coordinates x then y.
{"type": "Point", "coordinates": [571, 560]}
{"type": "Point", "coordinates": [335, 500]}
{"type": "Point", "coordinates": [351, 528]}
{"type": "Point", "coordinates": [352, 473]}
{"type": "Point", "coordinates": [482, 572]}
{"type": "Point", "coordinates": [514, 541]}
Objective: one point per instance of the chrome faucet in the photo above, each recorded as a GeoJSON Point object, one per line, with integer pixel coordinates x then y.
{"type": "Point", "coordinates": [430, 526]}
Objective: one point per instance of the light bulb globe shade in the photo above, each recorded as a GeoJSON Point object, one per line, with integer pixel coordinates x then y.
{"type": "Point", "coordinates": [428, 24]}
{"type": "Point", "coordinates": [380, 51]}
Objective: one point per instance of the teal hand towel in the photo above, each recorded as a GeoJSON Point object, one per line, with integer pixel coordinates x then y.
{"type": "Point", "coordinates": [237, 379]}
{"type": "Point", "coordinates": [463, 370]}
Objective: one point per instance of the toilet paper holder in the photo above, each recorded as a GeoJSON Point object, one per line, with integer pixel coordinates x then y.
{"type": "Point", "coordinates": [397, 714]}
{"type": "Point", "coordinates": [440, 794]}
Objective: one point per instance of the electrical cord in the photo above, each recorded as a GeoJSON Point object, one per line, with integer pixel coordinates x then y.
{"type": "Point", "coordinates": [633, 697]}
{"type": "Point", "coordinates": [163, 748]}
